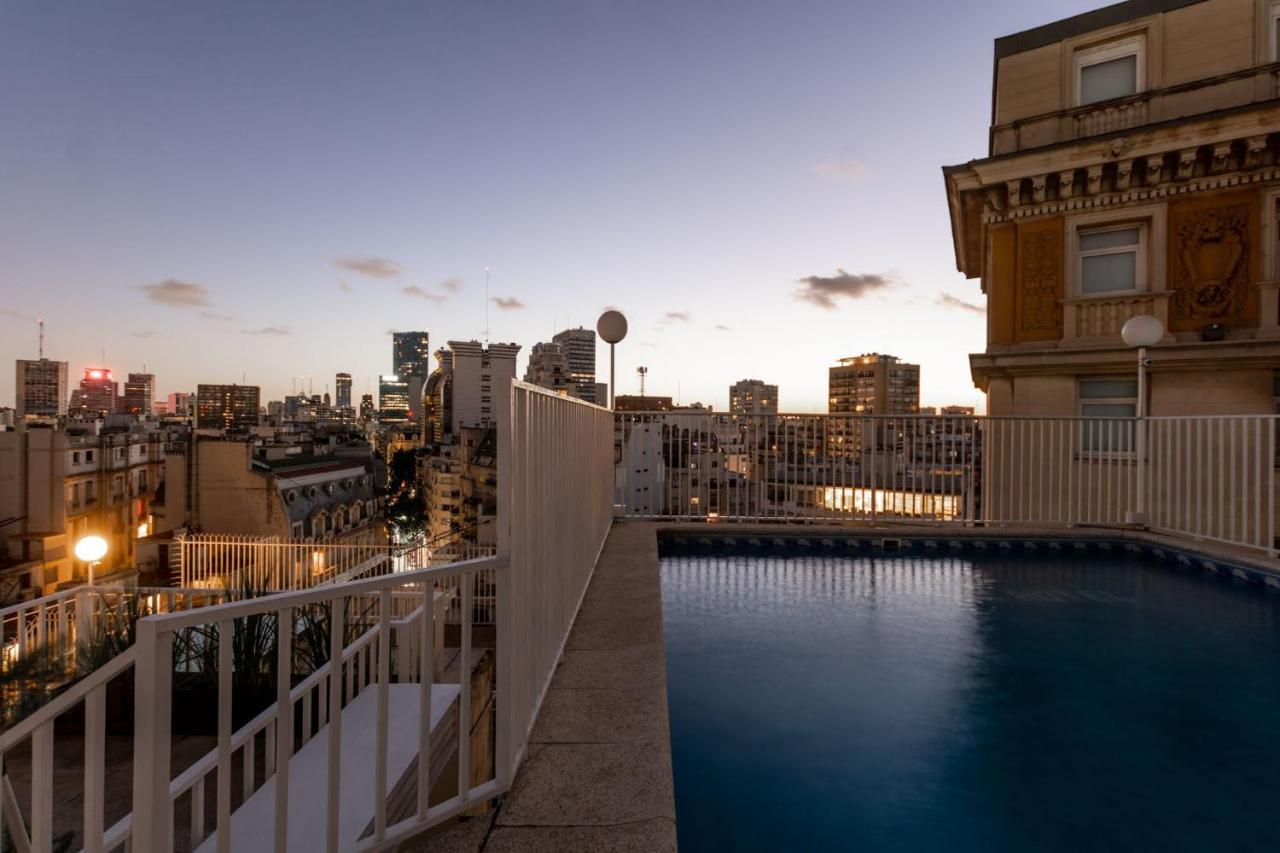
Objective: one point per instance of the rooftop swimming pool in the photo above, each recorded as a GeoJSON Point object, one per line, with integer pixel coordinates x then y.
{"type": "Point", "coordinates": [984, 701]}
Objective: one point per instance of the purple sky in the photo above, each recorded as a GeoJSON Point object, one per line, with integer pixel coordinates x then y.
{"type": "Point", "coordinates": [324, 173]}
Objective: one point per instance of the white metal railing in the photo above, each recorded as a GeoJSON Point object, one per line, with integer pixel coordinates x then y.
{"type": "Point", "coordinates": [555, 490]}
{"type": "Point", "coordinates": [1210, 478]}
{"type": "Point", "coordinates": [381, 637]}
{"type": "Point", "coordinates": [229, 561]}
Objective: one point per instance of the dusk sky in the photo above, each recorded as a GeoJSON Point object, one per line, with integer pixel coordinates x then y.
{"type": "Point", "coordinates": [264, 190]}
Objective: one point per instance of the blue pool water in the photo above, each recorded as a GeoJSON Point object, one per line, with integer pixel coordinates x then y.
{"type": "Point", "coordinates": [1082, 701]}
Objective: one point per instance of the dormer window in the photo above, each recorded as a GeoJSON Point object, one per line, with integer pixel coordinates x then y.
{"type": "Point", "coordinates": [1107, 71]}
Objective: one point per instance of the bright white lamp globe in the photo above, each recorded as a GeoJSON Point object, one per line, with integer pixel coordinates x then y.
{"type": "Point", "coordinates": [612, 327]}
{"type": "Point", "coordinates": [91, 549]}
{"type": "Point", "coordinates": [1143, 330]}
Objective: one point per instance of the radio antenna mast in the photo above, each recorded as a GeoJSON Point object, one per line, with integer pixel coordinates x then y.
{"type": "Point", "coordinates": [642, 371]}
{"type": "Point", "coordinates": [486, 306]}
{"type": "Point", "coordinates": [41, 324]}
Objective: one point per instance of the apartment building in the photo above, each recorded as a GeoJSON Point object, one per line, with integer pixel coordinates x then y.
{"type": "Point", "coordinates": [580, 352]}
{"type": "Point", "coordinates": [753, 397]}
{"type": "Point", "coordinates": [40, 387]}
{"type": "Point", "coordinates": [60, 485]}
{"type": "Point", "coordinates": [549, 368]}
{"type": "Point", "coordinates": [233, 408]}
{"type": "Point", "coordinates": [481, 376]}
{"type": "Point", "coordinates": [1133, 167]}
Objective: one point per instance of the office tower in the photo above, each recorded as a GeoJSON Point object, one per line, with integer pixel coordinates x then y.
{"type": "Point", "coordinates": [343, 389]}
{"type": "Point", "coordinates": [753, 397]}
{"type": "Point", "coordinates": [40, 389]}
{"type": "Point", "coordinates": [98, 391]}
{"type": "Point", "coordinates": [580, 350]}
{"type": "Point", "coordinates": [549, 368]}
{"type": "Point", "coordinates": [229, 407]}
{"type": "Point", "coordinates": [393, 399]}
{"type": "Point", "coordinates": [366, 407]}
{"type": "Point", "coordinates": [139, 391]}
{"type": "Point", "coordinates": [410, 354]}
{"type": "Point", "coordinates": [481, 376]}
{"type": "Point", "coordinates": [874, 384]}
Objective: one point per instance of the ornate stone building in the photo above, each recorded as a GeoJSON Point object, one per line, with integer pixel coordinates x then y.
{"type": "Point", "coordinates": [1133, 168]}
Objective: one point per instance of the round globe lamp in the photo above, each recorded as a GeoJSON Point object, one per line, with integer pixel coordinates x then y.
{"type": "Point", "coordinates": [91, 550]}
{"type": "Point", "coordinates": [612, 328]}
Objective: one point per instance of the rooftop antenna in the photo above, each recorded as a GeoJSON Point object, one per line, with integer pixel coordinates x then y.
{"type": "Point", "coordinates": [41, 324]}
{"type": "Point", "coordinates": [642, 371]}
{"type": "Point", "coordinates": [486, 306]}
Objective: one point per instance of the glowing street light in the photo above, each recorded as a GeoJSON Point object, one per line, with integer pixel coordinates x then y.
{"type": "Point", "coordinates": [91, 550]}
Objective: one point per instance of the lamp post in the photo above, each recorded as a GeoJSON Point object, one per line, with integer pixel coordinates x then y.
{"type": "Point", "coordinates": [1141, 332]}
{"type": "Point", "coordinates": [91, 549]}
{"type": "Point", "coordinates": [612, 328]}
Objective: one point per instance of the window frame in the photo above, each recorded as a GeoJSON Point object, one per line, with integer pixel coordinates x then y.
{"type": "Point", "coordinates": [1127, 447]}
{"type": "Point", "coordinates": [1096, 54]}
{"type": "Point", "coordinates": [1142, 250]}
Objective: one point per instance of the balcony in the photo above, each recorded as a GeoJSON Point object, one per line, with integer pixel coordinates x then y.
{"type": "Point", "coordinates": [356, 721]}
{"type": "Point", "coordinates": [1224, 91]}
{"type": "Point", "coordinates": [1096, 319]}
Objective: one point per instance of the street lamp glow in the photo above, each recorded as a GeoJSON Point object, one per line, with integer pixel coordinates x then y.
{"type": "Point", "coordinates": [1144, 330]}
{"type": "Point", "coordinates": [91, 549]}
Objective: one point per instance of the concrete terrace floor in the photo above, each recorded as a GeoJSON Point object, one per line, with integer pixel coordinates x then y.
{"type": "Point", "coordinates": [597, 775]}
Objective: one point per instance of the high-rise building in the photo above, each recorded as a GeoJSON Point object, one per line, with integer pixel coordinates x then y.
{"type": "Point", "coordinates": [549, 368]}
{"type": "Point", "coordinates": [366, 407]}
{"type": "Point", "coordinates": [753, 397]}
{"type": "Point", "coordinates": [40, 389]}
{"type": "Point", "coordinates": [98, 391]}
{"type": "Point", "coordinates": [229, 407]}
{"type": "Point", "coordinates": [874, 384]}
{"type": "Point", "coordinates": [411, 354]}
{"type": "Point", "coordinates": [580, 350]}
{"type": "Point", "coordinates": [343, 389]}
{"type": "Point", "coordinates": [139, 393]}
{"type": "Point", "coordinates": [393, 398]}
{"type": "Point", "coordinates": [481, 375]}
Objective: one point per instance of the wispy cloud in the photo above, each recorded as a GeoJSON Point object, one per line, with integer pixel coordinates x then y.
{"type": "Point", "coordinates": [414, 290]}
{"type": "Point", "coordinates": [17, 315]}
{"type": "Point", "coordinates": [177, 294]}
{"type": "Point", "coordinates": [275, 331]}
{"type": "Point", "coordinates": [371, 267]}
{"type": "Point", "coordinates": [676, 317]}
{"type": "Point", "coordinates": [214, 315]}
{"type": "Point", "coordinates": [946, 300]}
{"type": "Point", "coordinates": [720, 327]}
{"type": "Point", "coordinates": [142, 334]}
{"type": "Point", "coordinates": [823, 290]}
{"type": "Point", "coordinates": [453, 285]}
{"type": "Point", "coordinates": [844, 169]}
{"type": "Point", "coordinates": [344, 287]}
{"type": "Point", "coordinates": [507, 303]}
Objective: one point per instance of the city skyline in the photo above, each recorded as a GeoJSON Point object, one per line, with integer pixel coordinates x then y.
{"type": "Point", "coordinates": [729, 206]}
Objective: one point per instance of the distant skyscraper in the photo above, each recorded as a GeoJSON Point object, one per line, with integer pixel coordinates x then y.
{"type": "Point", "coordinates": [393, 399]}
{"type": "Point", "coordinates": [343, 389]}
{"type": "Point", "coordinates": [580, 350]}
{"type": "Point", "coordinates": [411, 354]}
{"type": "Point", "coordinates": [139, 393]}
{"type": "Point", "coordinates": [753, 397]}
{"type": "Point", "coordinates": [480, 375]}
{"type": "Point", "coordinates": [366, 407]}
{"type": "Point", "coordinates": [874, 384]}
{"type": "Point", "coordinates": [40, 388]}
{"type": "Point", "coordinates": [229, 407]}
{"type": "Point", "coordinates": [98, 391]}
